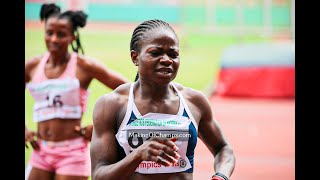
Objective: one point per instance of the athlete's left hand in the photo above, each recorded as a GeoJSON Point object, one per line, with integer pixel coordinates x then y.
{"type": "Point", "coordinates": [29, 136]}
{"type": "Point", "coordinates": [86, 132]}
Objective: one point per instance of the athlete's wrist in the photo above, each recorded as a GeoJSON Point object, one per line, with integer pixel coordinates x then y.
{"type": "Point", "coordinates": [216, 178]}
{"type": "Point", "coordinates": [138, 155]}
{"type": "Point", "coordinates": [219, 176]}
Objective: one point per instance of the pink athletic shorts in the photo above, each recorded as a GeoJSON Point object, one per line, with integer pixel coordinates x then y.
{"type": "Point", "coordinates": [69, 157]}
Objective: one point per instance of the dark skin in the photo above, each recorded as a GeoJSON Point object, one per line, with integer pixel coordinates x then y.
{"type": "Point", "coordinates": [158, 63]}
{"type": "Point", "coordinates": [58, 36]}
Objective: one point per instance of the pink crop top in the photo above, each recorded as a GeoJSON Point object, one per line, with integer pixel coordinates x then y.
{"type": "Point", "coordinates": [60, 97]}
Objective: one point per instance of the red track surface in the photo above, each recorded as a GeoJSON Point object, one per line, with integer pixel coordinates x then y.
{"type": "Point", "coordinates": [262, 134]}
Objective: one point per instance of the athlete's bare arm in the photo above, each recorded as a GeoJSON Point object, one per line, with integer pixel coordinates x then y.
{"type": "Point", "coordinates": [99, 71]}
{"type": "Point", "coordinates": [212, 136]}
{"type": "Point", "coordinates": [29, 68]}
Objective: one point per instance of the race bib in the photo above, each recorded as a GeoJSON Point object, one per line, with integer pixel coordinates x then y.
{"type": "Point", "coordinates": [56, 98]}
{"type": "Point", "coordinates": [152, 125]}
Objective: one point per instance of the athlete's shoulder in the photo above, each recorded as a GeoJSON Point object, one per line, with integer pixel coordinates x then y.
{"type": "Point", "coordinates": [85, 61]}
{"type": "Point", "coordinates": [188, 92]}
{"type": "Point", "coordinates": [117, 97]}
{"type": "Point", "coordinates": [34, 61]}
{"type": "Point", "coordinates": [111, 104]}
{"type": "Point", "coordinates": [31, 65]}
{"type": "Point", "coordinates": [197, 98]}
{"type": "Point", "coordinates": [85, 58]}
{"type": "Point", "coordinates": [89, 64]}
{"type": "Point", "coordinates": [123, 89]}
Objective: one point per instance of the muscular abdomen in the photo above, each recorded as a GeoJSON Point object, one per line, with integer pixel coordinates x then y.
{"type": "Point", "coordinates": [58, 129]}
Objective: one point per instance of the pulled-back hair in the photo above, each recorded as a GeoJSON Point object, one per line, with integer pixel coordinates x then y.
{"type": "Point", "coordinates": [76, 18]}
{"type": "Point", "coordinates": [144, 27]}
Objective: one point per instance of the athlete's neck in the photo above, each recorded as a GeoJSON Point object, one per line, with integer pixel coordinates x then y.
{"type": "Point", "coordinates": [59, 59]}
{"type": "Point", "coordinates": [154, 91]}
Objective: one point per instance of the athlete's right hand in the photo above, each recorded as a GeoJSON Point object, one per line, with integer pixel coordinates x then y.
{"type": "Point", "coordinates": [29, 136]}
{"type": "Point", "coordinates": [85, 132]}
{"type": "Point", "coordinates": [160, 150]}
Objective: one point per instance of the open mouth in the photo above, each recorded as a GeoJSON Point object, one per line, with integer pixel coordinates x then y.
{"type": "Point", "coordinates": [54, 46]}
{"type": "Point", "coordinates": [165, 70]}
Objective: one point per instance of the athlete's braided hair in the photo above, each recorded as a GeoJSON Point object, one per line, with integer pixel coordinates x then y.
{"type": "Point", "coordinates": [141, 29]}
{"type": "Point", "coordinates": [76, 18]}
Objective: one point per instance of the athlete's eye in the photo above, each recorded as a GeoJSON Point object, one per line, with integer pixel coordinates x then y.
{"type": "Point", "coordinates": [154, 53]}
{"type": "Point", "coordinates": [173, 55]}
{"type": "Point", "coordinates": [61, 34]}
{"type": "Point", "coordinates": [49, 33]}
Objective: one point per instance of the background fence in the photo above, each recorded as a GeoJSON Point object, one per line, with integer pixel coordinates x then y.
{"type": "Point", "coordinates": [270, 18]}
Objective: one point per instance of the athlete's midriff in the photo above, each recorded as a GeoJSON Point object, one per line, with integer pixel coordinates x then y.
{"type": "Point", "coordinates": [58, 129]}
{"type": "Point", "coordinates": [167, 176]}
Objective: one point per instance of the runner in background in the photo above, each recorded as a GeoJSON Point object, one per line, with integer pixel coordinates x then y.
{"type": "Point", "coordinates": [58, 80]}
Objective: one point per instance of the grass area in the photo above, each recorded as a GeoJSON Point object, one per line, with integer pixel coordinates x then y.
{"type": "Point", "coordinates": [199, 61]}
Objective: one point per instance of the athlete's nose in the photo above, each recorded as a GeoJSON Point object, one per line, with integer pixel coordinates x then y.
{"type": "Point", "coordinates": [166, 59]}
{"type": "Point", "coordinates": [54, 38]}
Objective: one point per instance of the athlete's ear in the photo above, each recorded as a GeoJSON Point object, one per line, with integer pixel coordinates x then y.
{"type": "Point", "coordinates": [134, 57]}
{"type": "Point", "coordinates": [73, 37]}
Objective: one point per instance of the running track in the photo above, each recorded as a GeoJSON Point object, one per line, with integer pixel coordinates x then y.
{"type": "Point", "coordinates": [261, 132]}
